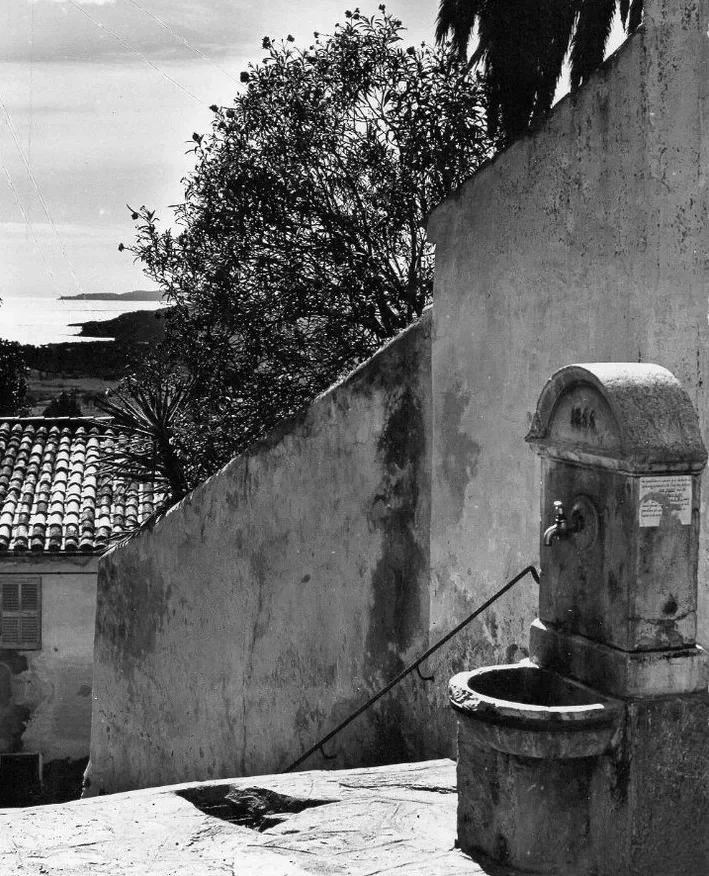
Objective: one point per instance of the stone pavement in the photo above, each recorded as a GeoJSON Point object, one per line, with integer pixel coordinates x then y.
{"type": "Point", "coordinates": [386, 820]}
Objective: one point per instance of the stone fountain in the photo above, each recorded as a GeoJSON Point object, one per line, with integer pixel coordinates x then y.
{"type": "Point", "coordinates": [592, 757]}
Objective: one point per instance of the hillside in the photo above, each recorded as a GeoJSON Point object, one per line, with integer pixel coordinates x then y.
{"type": "Point", "coordinates": [134, 295]}
{"type": "Point", "coordinates": [138, 327]}
{"type": "Point", "coordinates": [86, 370]}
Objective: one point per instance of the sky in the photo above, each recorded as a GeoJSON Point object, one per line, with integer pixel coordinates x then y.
{"type": "Point", "coordinates": [98, 103]}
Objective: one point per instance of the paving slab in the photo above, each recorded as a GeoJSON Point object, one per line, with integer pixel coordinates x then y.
{"type": "Point", "coordinates": [394, 819]}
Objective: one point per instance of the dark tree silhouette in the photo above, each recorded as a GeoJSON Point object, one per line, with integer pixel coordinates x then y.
{"type": "Point", "coordinates": [13, 379]}
{"type": "Point", "coordinates": [64, 405]}
{"type": "Point", "coordinates": [522, 45]}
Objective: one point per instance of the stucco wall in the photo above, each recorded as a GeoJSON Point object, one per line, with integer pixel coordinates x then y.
{"type": "Point", "coordinates": [272, 601]}
{"type": "Point", "coordinates": [47, 707]}
{"type": "Point", "coordinates": [586, 241]}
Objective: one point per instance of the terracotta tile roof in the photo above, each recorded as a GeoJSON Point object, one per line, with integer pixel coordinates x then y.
{"type": "Point", "coordinates": [53, 496]}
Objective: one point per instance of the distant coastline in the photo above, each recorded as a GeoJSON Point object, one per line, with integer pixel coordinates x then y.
{"type": "Point", "coordinates": [86, 370]}
{"type": "Point", "coordinates": [135, 295]}
{"type": "Point", "coordinates": [137, 327]}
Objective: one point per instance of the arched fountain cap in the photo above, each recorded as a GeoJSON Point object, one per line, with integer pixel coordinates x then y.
{"type": "Point", "coordinates": [628, 416]}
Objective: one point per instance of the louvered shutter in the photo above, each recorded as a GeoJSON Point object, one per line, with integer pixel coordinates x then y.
{"type": "Point", "coordinates": [20, 612]}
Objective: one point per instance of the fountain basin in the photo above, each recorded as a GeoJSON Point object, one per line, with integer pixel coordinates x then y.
{"type": "Point", "coordinates": [524, 710]}
{"type": "Point", "coordinates": [533, 748]}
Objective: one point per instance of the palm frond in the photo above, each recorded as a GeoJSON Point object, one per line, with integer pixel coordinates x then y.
{"type": "Point", "coordinates": [456, 18]}
{"type": "Point", "coordinates": [522, 45]}
{"type": "Point", "coordinates": [623, 8]}
{"type": "Point", "coordinates": [593, 28]}
{"type": "Point", "coordinates": [635, 16]}
{"type": "Point", "coordinates": [144, 417]}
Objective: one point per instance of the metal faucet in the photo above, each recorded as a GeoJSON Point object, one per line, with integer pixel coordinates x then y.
{"type": "Point", "coordinates": [559, 528]}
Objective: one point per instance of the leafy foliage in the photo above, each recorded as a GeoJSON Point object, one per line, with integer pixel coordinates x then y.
{"type": "Point", "coordinates": [64, 405]}
{"type": "Point", "coordinates": [300, 244]}
{"type": "Point", "coordinates": [146, 416]}
{"type": "Point", "coordinates": [13, 379]}
{"type": "Point", "coordinates": [522, 45]}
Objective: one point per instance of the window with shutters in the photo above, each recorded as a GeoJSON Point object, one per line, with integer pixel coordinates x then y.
{"type": "Point", "coordinates": [21, 612]}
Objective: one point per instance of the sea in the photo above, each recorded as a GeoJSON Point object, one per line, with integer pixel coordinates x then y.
{"type": "Point", "coordinates": [51, 320]}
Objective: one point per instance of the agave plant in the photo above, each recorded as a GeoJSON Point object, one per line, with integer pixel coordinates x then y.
{"type": "Point", "coordinates": [145, 416]}
{"type": "Point", "coordinates": [522, 45]}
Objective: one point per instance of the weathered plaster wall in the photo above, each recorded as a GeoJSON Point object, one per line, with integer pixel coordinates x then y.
{"type": "Point", "coordinates": [272, 601]}
{"type": "Point", "coordinates": [45, 694]}
{"type": "Point", "coordinates": [584, 242]}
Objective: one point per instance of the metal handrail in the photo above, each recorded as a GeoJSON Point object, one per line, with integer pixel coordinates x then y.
{"type": "Point", "coordinates": [528, 570]}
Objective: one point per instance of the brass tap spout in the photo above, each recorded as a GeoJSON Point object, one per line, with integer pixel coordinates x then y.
{"type": "Point", "coordinates": [559, 528]}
